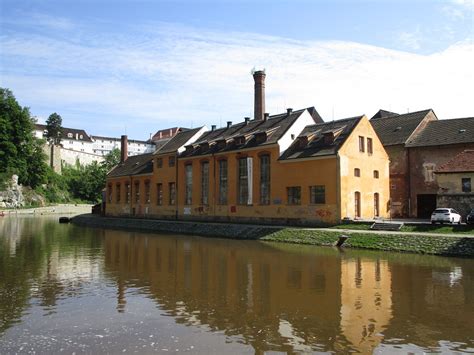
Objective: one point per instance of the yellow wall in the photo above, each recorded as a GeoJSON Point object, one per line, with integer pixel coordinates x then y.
{"type": "Point", "coordinates": [283, 175]}
{"type": "Point", "coordinates": [451, 183]}
{"type": "Point", "coordinates": [132, 207]}
{"type": "Point", "coordinates": [349, 159]}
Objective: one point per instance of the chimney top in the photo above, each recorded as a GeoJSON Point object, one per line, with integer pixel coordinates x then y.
{"type": "Point", "coordinates": [266, 116]}
{"type": "Point", "coordinates": [247, 119]}
{"type": "Point", "coordinates": [229, 123]}
{"type": "Point", "coordinates": [123, 148]}
{"type": "Point", "coordinates": [213, 127]}
{"type": "Point", "coordinates": [259, 94]}
{"type": "Point", "coordinates": [289, 111]}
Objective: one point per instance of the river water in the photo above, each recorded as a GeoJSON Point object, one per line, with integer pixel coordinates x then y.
{"type": "Point", "coordinates": [65, 288]}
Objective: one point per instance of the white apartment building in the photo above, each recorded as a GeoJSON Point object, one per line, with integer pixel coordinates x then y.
{"type": "Point", "coordinates": [104, 145]}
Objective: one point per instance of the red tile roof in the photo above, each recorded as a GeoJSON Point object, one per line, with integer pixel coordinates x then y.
{"type": "Point", "coordinates": [463, 162]}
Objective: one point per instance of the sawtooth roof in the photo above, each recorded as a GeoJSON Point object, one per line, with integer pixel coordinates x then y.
{"type": "Point", "coordinates": [461, 163]}
{"type": "Point", "coordinates": [321, 139]}
{"type": "Point", "coordinates": [396, 129]}
{"type": "Point", "coordinates": [443, 132]}
{"type": "Point", "coordinates": [245, 135]}
{"type": "Point", "coordinates": [134, 165]}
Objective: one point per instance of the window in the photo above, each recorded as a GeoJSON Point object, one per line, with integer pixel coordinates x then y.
{"type": "Point", "coordinates": [222, 182]}
{"type": "Point", "coordinates": [172, 188]}
{"type": "Point", "coordinates": [317, 194]}
{"type": "Point", "coordinates": [429, 172]}
{"type": "Point", "coordinates": [137, 192]}
{"type": "Point", "coordinates": [147, 191]}
{"type": "Point", "coordinates": [294, 195]}
{"type": "Point", "coordinates": [370, 149]}
{"type": "Point", "coordinates": [69, 135]}
{"type": "Point", "coordinates": [109, 193]}
{"type": "Point", "coordinates": [245, 181]}
{"type": "Point", "coordinates": [466, 184]}
{"type": "Point", "coordinates": [265, 179]}
{"type": "Point", "coordinates": [357, 203]}
{"type": "Point", "coordinates": [81, 136]}
{"type": "Point", "coordinates": [159, 162]}
{"type": "Point", "coordinates": [159, 194]}
{"type": "Point", "coordinates": [376, 204]}
{"type": "Point", "coordinates": [117, 193]}
{"type": "Point", "coordinates": [205, 183]}
{"type": "Point", "coordinates": [357, 172]}
{"type": "Point", "coordinates": [171, 161]}
{"type": "Point", "coordinates": [127, 189]}
{"type": "Point", "coordinates": [376, 174]}
{"type": "Point", "coordinates": [361, 144]}
{"type": "Point", "coordinates": [188, 197]}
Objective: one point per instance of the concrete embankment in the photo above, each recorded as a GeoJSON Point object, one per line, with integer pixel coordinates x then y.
{"type": "Point", "coordinates": [404, 242]}
{"type": "Point", "coordinates": [66, 209]}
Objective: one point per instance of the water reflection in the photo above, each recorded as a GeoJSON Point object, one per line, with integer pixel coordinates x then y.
{"type": "Point", "coordinates": [273, 297]}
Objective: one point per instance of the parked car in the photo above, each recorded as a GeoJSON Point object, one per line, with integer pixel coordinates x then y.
{"type": "Point", "coordinates": [448, 215]}
{"type": "Point", "coordinates": [470, 217]}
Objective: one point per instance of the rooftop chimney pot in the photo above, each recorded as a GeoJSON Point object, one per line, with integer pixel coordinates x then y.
{"type": "Point", "coordinates": [289, 111]}
{"type": "Point", "coordinates": [266, 116]}
{"type": "Point", "coordinates": [229, 123]}
{"type": "Point", "coordinates": [259, 101]}
{"type": "Point", "coordinates": [247, 119]}
{"type": "Point", "coordinates": [213, 127]}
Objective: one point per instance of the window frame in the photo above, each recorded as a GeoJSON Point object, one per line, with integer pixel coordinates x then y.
{"type": "Point", "coordinates": [188, 184]}
{"type": "Point", "coordinates": [293, 199]}
{"type": "Point", "coordinates": [265, 179]}
{"type": "Point", "coordinates": [313, 195]}
{"type": "Point", "coordinates": [159, 194]}
{"type": "Point", "coordinates": [223, 182]}
{"type": "Point", "coordinates": [205, 182]}
{"type": "Point", "coordinates": [361, 144]}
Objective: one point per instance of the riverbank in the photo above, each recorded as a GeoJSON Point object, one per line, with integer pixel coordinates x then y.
{"type": "Point", "coordinates": [63, 209]}
{"type": "Point", "coordinates": [424, 243]}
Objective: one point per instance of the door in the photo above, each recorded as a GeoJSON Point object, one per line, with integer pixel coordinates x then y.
{"type": "Point", "coordinates": [425, 204]}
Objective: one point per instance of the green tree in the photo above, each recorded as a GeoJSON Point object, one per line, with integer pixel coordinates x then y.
{"type": "Point", "coordinates": [54, 128]}
{"type": "Point", "coordinates": [20, 152]}
{"type": "Point", "coordinates": [86, 182]}
{"type": "Point", "coordinates": [111, 159]}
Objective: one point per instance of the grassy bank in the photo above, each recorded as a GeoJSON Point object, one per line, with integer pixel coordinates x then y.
{"type": "Point", "coordinates": [418, 228]}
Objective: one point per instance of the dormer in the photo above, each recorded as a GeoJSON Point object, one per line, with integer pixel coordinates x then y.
{"type": "Point", "coordinates": [260, 137]}
{"type": "Point", "coordinates": [221, 144]}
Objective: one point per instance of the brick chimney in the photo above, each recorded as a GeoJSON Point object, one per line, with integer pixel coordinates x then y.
{"type": "Point", "coordinates": [259, 78]}
{"type": "Point", "coordinates": [123, 148]}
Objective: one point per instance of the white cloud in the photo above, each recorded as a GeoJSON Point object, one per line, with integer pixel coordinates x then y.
{"type": "Point", "coordinates": [165, 75]}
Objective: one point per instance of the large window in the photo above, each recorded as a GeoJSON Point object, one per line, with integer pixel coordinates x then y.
{"type": "Point", "coordinates": [317, 194]}
{"type": "Point", "coordinates": [117, 193]}
{"type": "Point", "coordinates": [205, 183]}
{"type": "Point", "coordinates": [245, 181]}
{"type": "Point", "coordinates": [294, 195]}
{"type": "Point", "coordinates": [370, 148]}
{"type": "Point", "coordinates": [361, 144]}
{"type": "Point", "coordinates": [466, 184]}
{"type": "Point", "coordinates": [147, 191]}
{"type": "Point", "coordinates": [159, 194]}
{"type": "Point", "coordinates": [172, 188]}
{"type": "Point", "coordinates": [223, 182]}
{"type": "Point", "coordinates": [127, 190]}
{"type": "Point", "coordinates": [265, 179]}
{"type": "Point", "coordinates": [109, 193]}
{"type": "Point", "coordinates": [188, 192]}
{"type": "Point", "coordinates": [137, 191]}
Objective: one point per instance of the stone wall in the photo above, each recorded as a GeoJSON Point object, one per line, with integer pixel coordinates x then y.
{"type": "Point", "coordinates": [415, 243]}
{"type": "Point", "coordinates": [12, 196]}
{"type": "Point", "coordinates": [463, 203]}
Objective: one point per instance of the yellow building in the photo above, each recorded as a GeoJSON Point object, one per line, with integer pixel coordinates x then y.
{"type": "Point", "coordinates": [285, 168]}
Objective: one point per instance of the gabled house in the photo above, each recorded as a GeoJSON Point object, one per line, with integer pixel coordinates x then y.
{"type": "Point", "coordinates": [395, 131]}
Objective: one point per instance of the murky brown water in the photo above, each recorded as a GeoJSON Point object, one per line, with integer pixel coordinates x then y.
{"type": "Point", "coordinates": [69, 289]}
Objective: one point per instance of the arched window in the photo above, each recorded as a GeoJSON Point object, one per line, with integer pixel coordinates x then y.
{"type": "Point", "coordinates": [376, 204]}
{"type": "Point", "coordinates": [357, 204]}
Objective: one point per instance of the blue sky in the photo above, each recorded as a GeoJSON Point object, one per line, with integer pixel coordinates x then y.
{"type": "Point", "coordinates": [114, 67]}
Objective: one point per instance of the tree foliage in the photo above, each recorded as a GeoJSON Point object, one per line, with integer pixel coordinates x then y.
{"type": "Point", "coordinates": [111, 159]}
{"type": "Point", "coordinates": [54, 128]}
{"type": "Point", "coordinates": [20, 151]}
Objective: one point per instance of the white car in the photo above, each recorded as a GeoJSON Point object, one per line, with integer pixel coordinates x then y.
{"type": "Point", "coordinates": [448, 215]}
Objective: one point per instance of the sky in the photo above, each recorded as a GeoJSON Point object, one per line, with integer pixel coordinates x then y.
{"type": "Point", "coordinates": [116, 67]}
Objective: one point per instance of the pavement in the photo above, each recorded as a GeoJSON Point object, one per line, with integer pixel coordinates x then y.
{"type": "Point", "coordinates": [64, 209]}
